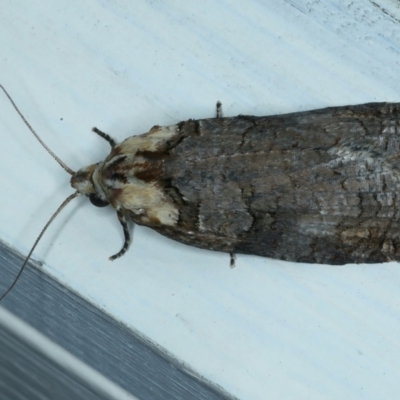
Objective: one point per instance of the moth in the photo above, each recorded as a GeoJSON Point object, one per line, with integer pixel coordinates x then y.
{"type": "Point", "coordinates": [318, 186]}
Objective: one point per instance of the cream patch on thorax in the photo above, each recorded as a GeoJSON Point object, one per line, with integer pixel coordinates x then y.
{"type": "Point", "coordinates": [148, 203]}
{"type": "Point", "coordinates": [150, 141]}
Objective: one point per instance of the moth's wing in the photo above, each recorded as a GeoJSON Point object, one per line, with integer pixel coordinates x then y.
{"type": "Point", "coordinates": [318, 186]}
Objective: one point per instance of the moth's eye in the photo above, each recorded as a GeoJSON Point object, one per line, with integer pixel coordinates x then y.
{"type": "Point", "coordinates": [96, 201]}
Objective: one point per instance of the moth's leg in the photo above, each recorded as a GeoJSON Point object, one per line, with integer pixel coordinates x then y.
{"type": "Point", "coordinates": [105, 136]}
{"type": "Point", "coordinates": [219, 109]}
{"type": "Point", "coordinates": [233, 259]}
{"type": "Point", "coordinates": [124, 223]}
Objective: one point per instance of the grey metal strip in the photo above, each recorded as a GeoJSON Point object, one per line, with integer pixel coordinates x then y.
{"type": "Point", "coordinates": [121, 355]}
{"type": "Point", "coordinates": [35, 368]}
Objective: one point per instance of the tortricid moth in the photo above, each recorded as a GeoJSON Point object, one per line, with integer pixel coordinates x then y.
{"type": "Point", "coordinates": [317, 186]}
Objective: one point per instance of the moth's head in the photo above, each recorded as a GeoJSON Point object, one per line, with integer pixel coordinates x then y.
{"type": "Point", "coordinates": [82, 182]}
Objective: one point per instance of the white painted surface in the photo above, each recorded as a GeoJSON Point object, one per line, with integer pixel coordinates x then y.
{"type": "Point", "coordinates": [266, 328]}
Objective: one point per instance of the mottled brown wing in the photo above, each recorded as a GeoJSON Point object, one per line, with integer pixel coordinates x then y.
{"type": "Point", "coordinates": [318, 186]}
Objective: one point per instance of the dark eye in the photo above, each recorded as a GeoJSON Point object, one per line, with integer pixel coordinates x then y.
{"type": "Point", "coordinates": [96, 201]}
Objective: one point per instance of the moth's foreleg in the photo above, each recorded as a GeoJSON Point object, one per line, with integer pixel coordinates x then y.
{"type": "Point", "coordinates": [105, 136]}
{"type": "Point", "coordinates": [233, 259]}
{"type": "Point", "coordinates": [124, 223]}
{"type": "Point", "coordinates": [219, 109]}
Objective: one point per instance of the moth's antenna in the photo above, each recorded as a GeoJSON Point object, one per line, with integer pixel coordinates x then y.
{"type": "Point", "coordinates": [64, 203]}
{"type": "Point", "coordinates": [66, 168]}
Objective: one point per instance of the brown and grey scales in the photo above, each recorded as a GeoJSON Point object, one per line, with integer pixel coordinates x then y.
{"type": "Point", "coordinates": [318, 186]}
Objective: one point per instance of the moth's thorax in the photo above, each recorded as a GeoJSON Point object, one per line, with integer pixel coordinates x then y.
{"type": "Point", "coordinates": [130, 178]}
